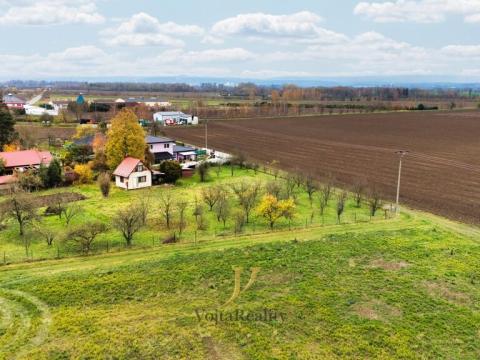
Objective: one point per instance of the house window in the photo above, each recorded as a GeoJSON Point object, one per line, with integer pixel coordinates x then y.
{"type": "Point", "coordinates": [140, 168]}
{"type": "Point", "coordinates": [166, 146]}
{"type": "Point", "coordinates": [142, 179]}
{"type": "Point", "coordinates": [122, 179]}
{"type": "Point", "coordinates": [151, 147]}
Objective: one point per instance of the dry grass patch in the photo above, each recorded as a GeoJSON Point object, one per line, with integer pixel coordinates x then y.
{"type": "Point", "coordinates": [442, 290]}
{"type": "Point", "coordinates": [376, 310]}
{"type": "Point", "coordinates": [388, 265]}
{"type": "Point", "coordinates": [217, 351]}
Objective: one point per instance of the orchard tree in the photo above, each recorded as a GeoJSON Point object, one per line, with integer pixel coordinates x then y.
{"type": "Point", "coordinates": [222, 210]}
{"type": "Point", "coordinates": [374, 200]}
{"type": "Point", "coordinates": [272, 209]}
{"type": "Point", "coordinates": [211, 195]}
{"type": "Point", "coordinates": [310, 187]}
{"type": "Point", "coordinates": [85, 235]}
{"type": "Point", "coordinates": [20, 207]}
{"type": "Point", "coordinates": [125, 138]}
{"type": "Point", "coordinates": [341, 199]}
{"type": "Point", "coordinates": [202, 171]}
{"type": "Point", "coordinates": [358, 190]}
{"type": "Point", "coordinates": [129, 221]}
{"type": "Point", "coordinates": [247, 195]}
{"type": "Point", "coordinates": [167, 207]}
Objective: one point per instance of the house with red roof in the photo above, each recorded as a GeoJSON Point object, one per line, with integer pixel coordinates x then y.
{"type": "Point", "coordinates": [13, 102]}
{"type": "Point", "coordinates": [132, 174]}
{"type": "Point", "coordinates": [20, 161]}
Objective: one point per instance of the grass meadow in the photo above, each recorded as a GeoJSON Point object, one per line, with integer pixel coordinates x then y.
{"type": "Point", "coordinates": [406, 288]}
{"type": "Point", "coordinates": [97, 208]}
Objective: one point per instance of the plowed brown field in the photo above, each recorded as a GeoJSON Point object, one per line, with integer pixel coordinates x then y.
{"type": "Point", "coordinates": [441, 174]}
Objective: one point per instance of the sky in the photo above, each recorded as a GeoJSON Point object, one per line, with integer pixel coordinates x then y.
{"type": "Point", "coordinates": [45, 39]}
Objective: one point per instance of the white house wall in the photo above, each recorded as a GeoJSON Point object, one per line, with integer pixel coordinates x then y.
{"type": "Point", "coordinates": [157, 148]}
{"type": "Point", "coordinates": [133, 180]}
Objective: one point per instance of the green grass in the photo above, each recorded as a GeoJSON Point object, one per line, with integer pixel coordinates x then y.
{"type": "Point", "coordinates": [357, 291]}
{"type": "Point", "coordinates": [403, 288]}
{"type": "Point", "coordinates": [96, 208]}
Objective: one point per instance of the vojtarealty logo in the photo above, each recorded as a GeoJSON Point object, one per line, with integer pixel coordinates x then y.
{"type": "Point", "coordinates": [239, 315]}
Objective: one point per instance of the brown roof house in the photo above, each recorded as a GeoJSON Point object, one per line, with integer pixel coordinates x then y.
{"type": "Point", "coordinates": [132, 174]}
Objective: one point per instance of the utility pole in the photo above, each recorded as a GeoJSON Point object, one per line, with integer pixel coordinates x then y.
{"type": "Point", "coordinates": [401, 154]}
{"type": "Point", "coordinates": [206, 135]}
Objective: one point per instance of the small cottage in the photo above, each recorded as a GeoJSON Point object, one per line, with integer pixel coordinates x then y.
{"type": "Point", "coordinates": [132, 174]}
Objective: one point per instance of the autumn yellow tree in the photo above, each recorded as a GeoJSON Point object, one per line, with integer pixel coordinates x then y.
{"type": "Point", "coordinates": [84, 130]}
{"type": "Point", "coordinates": [272, 209]}
{"type": "Point", "coordinates": [84, 173]}
{"type": "Point", "coordinates": [125, 138]}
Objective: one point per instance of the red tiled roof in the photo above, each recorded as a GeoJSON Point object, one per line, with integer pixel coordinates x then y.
{"type": "Point", "coordinates": [26, 158]}
{"type": "Point", "coordinates": [126, 167]}
{"type": "Point", "coordinates": [7, 179]}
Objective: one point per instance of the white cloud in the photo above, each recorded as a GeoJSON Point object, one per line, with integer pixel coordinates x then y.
{"type": "Point", "coordinates": [143, 29]}
{"type": "Point", "coordinates": [50, 12]}
{"type": "Point", "coordinates": [420, 11]}
{"type": "Point", "coordinates": [472, 51]}
{"type": "Point", "coordinates": [301, 26]}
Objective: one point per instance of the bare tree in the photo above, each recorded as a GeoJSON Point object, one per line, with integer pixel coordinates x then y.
{"type": "Point", "coordinates": [247, 194]}
{"type": "Point", "coordinates": [48, 234]}
{"type": "Point", "coordinates": [218, 170]}
{"type": "Point", "coordinates": [202, 170]}
{"type": "Point", "coordinates": [129, 221]}
{"type": "Point", "coordinates": [222, 210]}
{"type": "Point", "coordinates": [274, 168]}
{"type": "Point", "coordinates": [237, 159]}
{"type": "Point", "coordinates": [211, 195]}
{"type": "Point", "coordinates": [358, 190]}
{"type": "Point", "coordinates": [144, 207]}
{"type": "Point", "coordinates": [198, 212]}
{"type": "Point", "coordinates": [326, 191]}
{"type": "Point", "coordinates": [20, 206]}
{"type": "Point", "coordinates": [322, 203]}
{"type": "Point", "coordinates": [71, 211]}
{"type": "Point", "coordinates": [289, 186]}
{"type": "Point", "coordinates": [239, 218]}
{"type": "Point", "coordinates": [273, 188]}
{"type": "Point", "coordinates": [374, 200]}
{"type": "Point", "coordinates": [310, 187]}
{"type": "Point", "coordinates": [167, 207]}
{"type": "Point", "coordinates": [341, 199]}
{"type": "Point", "coordinates": [85, 235]}
{"type": "Point", "coordinates": [182, 207]}
{"type": "Point", "coordinates": [299, 178]}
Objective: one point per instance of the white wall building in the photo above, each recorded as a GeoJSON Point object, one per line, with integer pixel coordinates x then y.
{"type": "Point", "coordinates": [132, 174]}
{"type": "Point", "coordinates": [37, 110]}
{"type": "Point", "coordinates": [169, 118]}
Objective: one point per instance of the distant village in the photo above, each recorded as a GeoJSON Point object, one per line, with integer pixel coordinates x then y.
{"type": "Point", "coordinates": [54, 108]}
{"type": "Point", "coordinates": [85, 157]}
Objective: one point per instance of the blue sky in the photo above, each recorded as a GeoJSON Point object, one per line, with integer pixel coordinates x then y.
{"type": "Point", "coordinates": [260, 39]}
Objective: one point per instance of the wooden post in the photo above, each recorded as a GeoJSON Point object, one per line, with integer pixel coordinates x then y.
{"type": "Point", "coordinates": [4, 258]}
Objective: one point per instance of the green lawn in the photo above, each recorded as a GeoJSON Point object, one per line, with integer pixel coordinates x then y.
{"type": "Point", "coordinates": [405, 288]}
{"type": "Point", "coordinates": [408, 290]}
{"type": "Point", "coordinates": [96, 208]}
